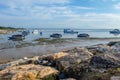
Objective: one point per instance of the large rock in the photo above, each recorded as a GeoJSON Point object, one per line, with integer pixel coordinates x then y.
{"type": "Point", "coordinates": [28, 72]}
{"type": "Point", "coordinates": [49, 59]}
{"type": "Point", "coordinates": [115, 78]}
{"type": "Point", "coordinates": [115, 46]}
{"type": "Point", "coordinates": [19, 62]}
{"type": "Point", "coordinates": [114, 43]}
{"type": "Point", "coordinates": [101, 48]}
{"type": "Point", "coordinates": [72, 64]}
{"type": "Point", "coordinates": [105, 61]}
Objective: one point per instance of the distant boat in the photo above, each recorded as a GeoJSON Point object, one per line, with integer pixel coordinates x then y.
{"type": "Point", "coordinates": [115, 31]}
{"type": "Point", "coordinates": [70, 31]}
{"type": "Point", "coordinates": [40, 33]}
{"type": "Point", "coordinates": [25, 33]}
{"type": "Point", "coordinates": [56, 35]}
{"type": "Point", "coordinates": [84, 35]}
{"type": "Point", "coordinates": [17, 37]}
{"type": "Point", "coordinates": [35, 32]}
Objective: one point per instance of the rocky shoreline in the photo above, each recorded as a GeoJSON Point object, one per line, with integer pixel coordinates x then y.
{"type": "Point", "coordinates": [97, 62]}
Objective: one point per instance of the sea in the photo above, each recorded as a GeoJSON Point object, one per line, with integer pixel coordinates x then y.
{"type": "Point", "coordinates": [46, 32]}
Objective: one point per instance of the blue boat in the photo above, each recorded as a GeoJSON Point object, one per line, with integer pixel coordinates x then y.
{"type": "Point", "coordinates": [84, 35]}
{"type": "Point", "coordinates": [25, 33]}
{"type": "Point", "coordinates": [70, 31]}
{"type": "Point", "coordinates": [115, 31]}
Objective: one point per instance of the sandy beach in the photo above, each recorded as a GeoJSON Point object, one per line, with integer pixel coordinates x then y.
{"type": "Point", "coordinates": [13, 53]}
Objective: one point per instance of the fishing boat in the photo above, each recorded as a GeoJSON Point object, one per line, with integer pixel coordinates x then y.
{"type": "Point", "coordinates": [35, 32]}
{"type": "Point", "coordinates": [17, 37]}
{"type": "Point", "coordinates": [84, 35]}
{"type": "Point", "coordinates": [56, 35]}
{"type": "Point", "coordinates": [70, 31]}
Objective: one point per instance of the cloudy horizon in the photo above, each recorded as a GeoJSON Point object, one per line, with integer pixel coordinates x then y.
{"type": "Point", "coordinates": [84, 14]}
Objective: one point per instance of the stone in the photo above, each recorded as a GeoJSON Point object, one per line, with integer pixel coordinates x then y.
{"type": "Point", "coordinates": [23, 61]}
{"type": "Point", "coordinates": [101, 48]}
{"type": "Point", "coordinates": [104, 61]}
{"type": "Point", "coordinates": [28, 72]}
{"type": "Point", "coordinates": [115, 78]}
{"type": "Point", "coordinates": [68, 79]}
{"type": "Point", "coordinates": [71, 64]}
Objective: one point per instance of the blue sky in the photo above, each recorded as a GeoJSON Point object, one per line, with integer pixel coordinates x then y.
{"type": "Point", "coordinates": [60, 13]}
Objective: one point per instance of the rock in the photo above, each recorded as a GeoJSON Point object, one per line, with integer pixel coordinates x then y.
{"type": "Point", "coordinates": [25, 58]}
{"type": "Point", "coordinates": [59, 55]}
{"type": "Point", "coordinates": [49, 59]}
{"type": "Point", "coordinates": [28, 72]}
{"type": "Point", "coordinates": [115, 78]}
{"type": "Point", "coordinates": [104, 61]}
{"type": "Point", "coordinates": [68, 79]}
{"type": "Point", "coordinates": [101, 48]}
{"type": "Point", "coordinates": [114, 43]}
{"type": "Point", "coordinates": [19, 62]}
{"type": "Point", "coordinates": [71, 64]}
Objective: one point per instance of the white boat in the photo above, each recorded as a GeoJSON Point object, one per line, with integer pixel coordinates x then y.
{"type": "Point", "coordinates": [35, 32]}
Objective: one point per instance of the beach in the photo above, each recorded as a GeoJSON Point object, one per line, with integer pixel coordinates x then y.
{"type": "Point", "coordinates": [11, 53]}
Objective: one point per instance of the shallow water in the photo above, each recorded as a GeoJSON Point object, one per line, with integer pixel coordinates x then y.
{"type": "Point", "coordinates": [99, 33]}
{"type": "Point", "coordinates": [96, 33]}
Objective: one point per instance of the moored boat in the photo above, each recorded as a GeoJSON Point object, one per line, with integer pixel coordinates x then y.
{"type": "Point", "coordinates": [25, 33]}
{"type": "Point", "coordinates": [35, 32]}
{"type": "Point", "coordinates": [56, 35]}
{"type": "Point", "coordinates": [17, 37]}
{"type": "Point", "coordinates": [70, 31]}
{"type": "Point", "coordinates": [115, 31]}
{"type": "Point", "coordinates": [83, 35]}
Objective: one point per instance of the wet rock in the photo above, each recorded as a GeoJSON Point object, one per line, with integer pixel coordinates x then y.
{"type": "Point", "coordinates": [28, 72]}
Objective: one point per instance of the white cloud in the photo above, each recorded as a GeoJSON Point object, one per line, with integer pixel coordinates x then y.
{"type": "Point", "coordinates": [117, 6]}
{"type": "Point", "coordinates": [54, 13]}
{"type": "Point", "coordinates": [84, 8]}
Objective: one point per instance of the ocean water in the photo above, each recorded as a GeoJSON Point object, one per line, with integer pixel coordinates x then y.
{"type": "Point", "coordinates": [94, 33]}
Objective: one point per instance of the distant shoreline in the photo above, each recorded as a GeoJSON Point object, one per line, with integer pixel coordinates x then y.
{"type": "Point", "coordinates": [6, 30]}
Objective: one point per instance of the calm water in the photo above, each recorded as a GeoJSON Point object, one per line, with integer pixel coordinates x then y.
{"type": "Point", "coordinates": [99, 33]}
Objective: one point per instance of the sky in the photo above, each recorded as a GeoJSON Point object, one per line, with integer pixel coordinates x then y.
{"type": "Point", "coordinates": [84, 14]}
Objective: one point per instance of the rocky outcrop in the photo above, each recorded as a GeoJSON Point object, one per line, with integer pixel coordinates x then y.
{"type": "Point", "coordinates": [28, 72]}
